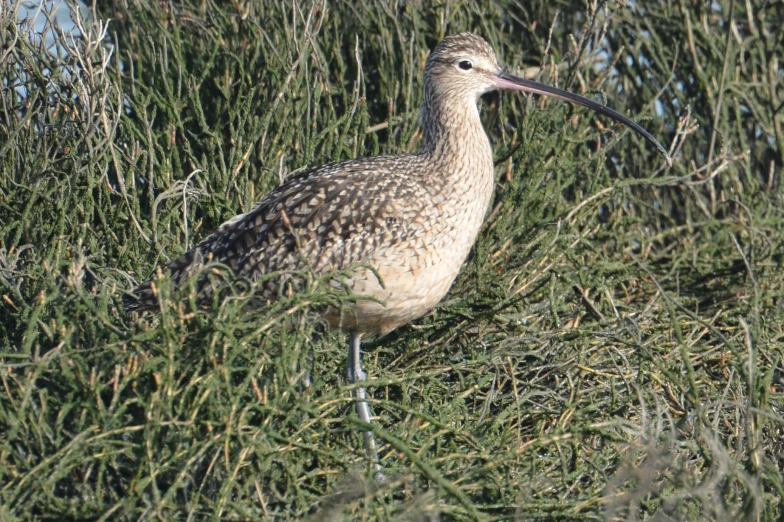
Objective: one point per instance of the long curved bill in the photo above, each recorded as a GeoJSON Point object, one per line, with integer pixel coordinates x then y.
{"type": "Point", "coordinates": [508, 81]}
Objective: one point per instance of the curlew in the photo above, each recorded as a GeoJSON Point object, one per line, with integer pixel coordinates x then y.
{"type": "Point", "coordinates": [412, 217]}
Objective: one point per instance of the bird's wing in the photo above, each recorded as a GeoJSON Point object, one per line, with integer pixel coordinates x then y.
{"type": "Point", "coordinates": [325, 219]}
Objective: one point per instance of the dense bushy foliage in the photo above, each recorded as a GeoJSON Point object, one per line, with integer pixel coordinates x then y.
{"type": "Point", "coordinates": [611, 351]}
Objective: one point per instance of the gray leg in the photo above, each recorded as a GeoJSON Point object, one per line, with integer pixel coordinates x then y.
{"type": "Point", "coordinates": [309, 367]}
{"type": "Point", "coordinates": [355, 374]}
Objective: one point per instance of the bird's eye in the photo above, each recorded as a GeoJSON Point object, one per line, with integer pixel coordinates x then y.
{"type": "Point", "coordinates": [465, 65]}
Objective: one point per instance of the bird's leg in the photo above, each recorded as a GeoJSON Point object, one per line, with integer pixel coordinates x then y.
{"type": "Point", "coordinates": [305, 384]}
{"type": "Point", "coordinates": [355, 374]}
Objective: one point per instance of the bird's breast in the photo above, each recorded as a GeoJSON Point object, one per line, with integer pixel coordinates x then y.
{"type": "Point", "coordinates": [416, 272]}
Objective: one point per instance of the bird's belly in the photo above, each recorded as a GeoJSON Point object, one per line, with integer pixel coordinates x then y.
{"type": "Point", "coordinates": [413, 283]}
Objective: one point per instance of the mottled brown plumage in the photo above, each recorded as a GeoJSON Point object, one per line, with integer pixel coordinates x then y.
{"type": "Point", "coordinates": [413, 217]}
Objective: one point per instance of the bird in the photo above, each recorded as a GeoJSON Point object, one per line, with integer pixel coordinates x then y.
{"type": "Point", "coordinates": [401, 225]}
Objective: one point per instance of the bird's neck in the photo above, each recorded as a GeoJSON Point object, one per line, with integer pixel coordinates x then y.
{"type": "Point", "coordinates": [457, 165]}
{"type": "Point", "coordinates": [457, 169]}
{"type": "Point", "coordinates": [454, 138]}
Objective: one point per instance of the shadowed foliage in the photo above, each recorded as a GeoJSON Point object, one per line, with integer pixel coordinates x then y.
{"type": "Point", "coordinates": [612, 350]}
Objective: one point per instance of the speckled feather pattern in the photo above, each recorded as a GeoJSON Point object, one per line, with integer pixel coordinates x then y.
{"type": "Point", "coordinates": [413, 217]}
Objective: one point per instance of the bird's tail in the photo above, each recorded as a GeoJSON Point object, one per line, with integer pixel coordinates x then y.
{"type": "Point", "coordinates": [143, 298]}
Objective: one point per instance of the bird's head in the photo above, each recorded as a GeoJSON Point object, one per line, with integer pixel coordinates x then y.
{"type": "Point", "coordinates": [464, 66]}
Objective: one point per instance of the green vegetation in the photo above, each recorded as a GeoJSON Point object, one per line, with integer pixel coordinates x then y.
{"type": "Point", "coordinates": [612, 350]}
